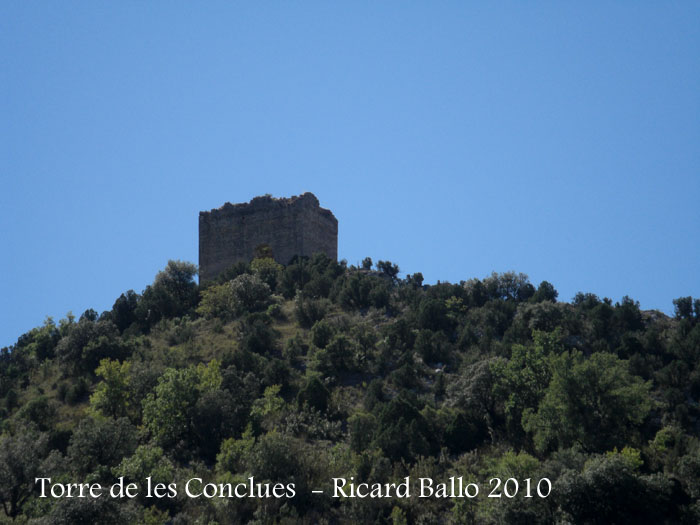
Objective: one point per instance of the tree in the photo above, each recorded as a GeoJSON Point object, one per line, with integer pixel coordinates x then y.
{"type": "Point", "coordinates": [321, 334]}
{"type": "Point", "coordinates": [100, 443]}
{"type": "Point", "coordinates": [172, 294]}
{"type": "Point", "coordinates": [433, 347]}
{"type": "Point", "coordinates": [112, 394]}
{"type": "Point", "coordinates": [402, 432]}
{"type": "Point", "coordinates": [169, 411]}
{"type": "Point", "coordinates": [256, 334]}
{"type": "Point", "coordinates": [683, 307]}
{"type": "Point", "coordinates": [432, 314]}
{"type": "Point", "coordinates": [21, 457]}
{"type": "Point", "coordinates": [465, 432]}
{"type": "Point", "coordinates": [124, 310]}
{"type": "Point", "coordinates": [544, 316]}
{"type": "Point", "coordinates": [267, 270]}
{"type": "Point", "coordinates": [508, 286]}
{"type": "Point", "coordinates": [88, 342]}
{"type": "Point", "coordinates": [273, 457]}
{"type": "Point", "coordinates": [314, 394]}
{"type": "Point", "coordinates": [214, 418]}
{"type": "Point", "coordinates": [249, 293]}
{"type": "Point", "coordinates": [389, 269]}
{"type": "Point", "coordinates": [72, 511]}
{"type": "Point", "coordinates": [146, 461]}
{"type": "Point", "coordinates": [610, 490]}
{"type": "Point", "coordinates": [355, 291]}
{"type": "Point", "coordinates": [307, 310]}
{"type": "Point", "coordinates": [595, 403]}
{"type": "Point", "coordinates": [473, 392]}
{"type": "Point", "coordinates": [42, 341]}
{"type": "Point", "coordinates": [415, 280]}
{"type": "Point", "coordinates": [521, 382]}
{"type": "Point", "coordinates": [40, 411]}
{"type": "Point", "coordinates": [545, 292]}
{"type": "Point", "coordinates": [217, 302]}
{"type": "Point", "coordinates": [361, 426]}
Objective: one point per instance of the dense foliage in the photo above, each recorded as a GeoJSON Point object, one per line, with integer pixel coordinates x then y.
{"type": "Point", "coordinates": [314, 370]}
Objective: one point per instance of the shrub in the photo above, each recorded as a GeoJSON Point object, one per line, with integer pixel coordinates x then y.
{"type": "Point", "coordinates": [308, 311]}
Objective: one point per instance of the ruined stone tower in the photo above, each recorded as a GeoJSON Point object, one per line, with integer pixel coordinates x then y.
{"type": "Point", "coordinates": [284, 227]}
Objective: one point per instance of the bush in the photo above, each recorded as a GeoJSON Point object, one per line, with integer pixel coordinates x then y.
{"type": "Point", "coordinates": [250, 294]}
{"type": "Point", "coordinates": [314, 394]}
{"type": "Point", "coordinates": [308, 311]}
{"type": "Point", "coordinates": [295, 348]}
{"type": "Point", "coordinates": [257, 335]}
{"type": "Point", "coordinates": [275, 311]}
{"type": "Point", "coordinates": [321, 334]}
{"type": "Point", "coordinates": [244, 294]}
{"type": "Point", "coordinates": [267, 270]}
{"type": "Point", "coordinates": [77, 392]}
{"type": "Point", "coordinates": [40, 411]}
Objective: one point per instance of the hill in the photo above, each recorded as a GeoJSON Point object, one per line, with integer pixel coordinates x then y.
{"type": "Point", "coordinates": [582, 412]}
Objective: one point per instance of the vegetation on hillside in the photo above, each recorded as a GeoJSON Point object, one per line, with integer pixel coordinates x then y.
{"type": "Point", "coordinates": [317, 370]}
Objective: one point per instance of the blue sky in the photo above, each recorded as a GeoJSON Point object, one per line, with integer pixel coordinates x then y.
{"type": "Point", "coordinates": [561, 140]}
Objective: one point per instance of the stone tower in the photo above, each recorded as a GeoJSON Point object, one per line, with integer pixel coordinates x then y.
{"type": "Point", "coordinates": [281, 227]}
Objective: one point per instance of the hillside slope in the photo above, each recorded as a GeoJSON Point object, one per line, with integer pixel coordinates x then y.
{"type": "Point", "coordinates": [314, 371]}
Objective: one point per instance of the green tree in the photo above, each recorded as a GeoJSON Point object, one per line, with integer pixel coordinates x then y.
{"type": "Point", "coordinates": [267, 270]}
{"type": "Point", "coordinates": [683, 307]}
{"type": "Point", "coordinates": [521, 382]}
{"type": "Point", "coordinates": [389, 269]}
{"type": "Point", "coordinates": [215, 417]}
{"type": "Point", "coordinates": [124, 310]}
{"type": "Point", "coordinates": [39, 410]}
{"type": "Point", "coordinates": [88, 342]}
{"type": "Point", "coordinates": [21, 457]}
{"type": "Point", "coordinates": [472, 391]}
{"type": "Point", "coordinates": [321, 334]}
{"type": "Point", "coordinates": [101, 443]}
{"type": "Point", "coordinates": [267, 410]}
{"type": "Point", "coordinates": [112, 394]}
{"type": "Point", "coordinates": [545, 292]}
{"type": "Point", "coordinates": [595, 403]}
{"type": "Point", "coordinates": [250, 294]}
{"type": "Point", "coordinates": [72, 511]}
{"type": "Point", "coordinates": [217, 302]}
{"type": "Point", "coordinates": [168, 411]}
{"type": "Point", "coordinates": [611, 490]}
{"type": "Point", "coordinates": [146, 461]}
{"type": "Point", "coordinates": [41, 342]}
{"type": "Point", "coordinates": [172, 294]}
{"type": "Point", "coordinates": [308, 311]}
{"type": "Point", "coordinates": [361, 426]}
{"type": "Point", "coordinates": [359, 291]}
{"type": "Point", "coordinates": [314, 394]}
{"type": "Point", "coordinates": [433, 314]}
{"type": "Point", "coordinates": [276, 457]}
{"type": "Point", "coordinates": [256, 334]}
{"type": "Point", "coordinates": [402, 432]}
{"type": "Point", "coordinates": [235, 452]}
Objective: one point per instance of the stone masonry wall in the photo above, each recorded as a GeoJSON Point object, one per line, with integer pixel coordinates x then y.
{"type": "Point", "coordinates": [293, 226]}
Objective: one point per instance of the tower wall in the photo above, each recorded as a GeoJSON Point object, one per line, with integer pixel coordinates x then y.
{"type": "Point", "coordinates": [293, 226]}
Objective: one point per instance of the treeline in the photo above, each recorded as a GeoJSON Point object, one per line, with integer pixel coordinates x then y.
{"type": "Point", "coordinates": [314, 370]}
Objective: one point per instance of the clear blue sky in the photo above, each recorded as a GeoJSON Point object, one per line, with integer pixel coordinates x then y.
{"type": "Point", "coordinates": [557, 139]}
